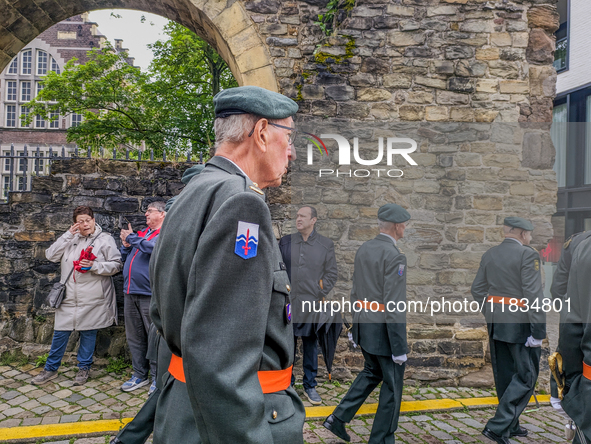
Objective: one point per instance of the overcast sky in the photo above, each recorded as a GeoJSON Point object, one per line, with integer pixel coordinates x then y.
{"type": "Point", "coordinates": [135, 34]}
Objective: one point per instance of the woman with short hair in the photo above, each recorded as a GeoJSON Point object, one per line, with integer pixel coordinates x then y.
{"type": "Point", "coordinates": [89, 302]}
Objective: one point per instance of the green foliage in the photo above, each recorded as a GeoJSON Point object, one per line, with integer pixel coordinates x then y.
{"type": "Point", "coordinates": [40, 319]}
{"type": "Point", "coordinates": [169, 107]}
{"type": "Point", "coordinates": [336, 383]}
{"type": "Point", "coordinates": [118, 365]}
{"type": "Point", "coordinates": [41, 360]}
{"type": "Point", "coordinates": [14, 358]}
{"type": "Point", "coordinates": [328, 22]}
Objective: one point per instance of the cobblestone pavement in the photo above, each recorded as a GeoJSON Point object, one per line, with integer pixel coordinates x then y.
{"type": "Point", "coordinates": [545, 427]}
{"type": "Point", "coordinates": [23, 404]}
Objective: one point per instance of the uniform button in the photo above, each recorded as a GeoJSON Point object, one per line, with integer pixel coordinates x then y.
{"type": "Point", "coordinates": [274, 414]}
{"type": "Point", "coordinates": [288, 287]}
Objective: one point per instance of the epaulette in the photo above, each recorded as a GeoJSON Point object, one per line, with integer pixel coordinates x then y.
{"type": "Point", "coordinates": [569, 240]}
{"type": "Point", "coordinates": [255, 187]}
{"type": "Point", "coordinates": [532, 248]}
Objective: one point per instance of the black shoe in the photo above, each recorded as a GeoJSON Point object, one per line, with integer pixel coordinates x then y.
{"type": "Point", "coordinates": [493, 436]}
{"type": "Point", "coordinates": [115, 441]}
{"type": "Point", "coordinates": [521, 432]}
{"type": "Point", "coordinates": [337, 427]}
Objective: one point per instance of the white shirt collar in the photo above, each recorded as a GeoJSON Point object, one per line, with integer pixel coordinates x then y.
{"type": "Point", "coordinates": [387, 235]}
{"type": "Point", "coordinates": [513, 239]}
{"type": "Point", "coordinates": [241, 170]}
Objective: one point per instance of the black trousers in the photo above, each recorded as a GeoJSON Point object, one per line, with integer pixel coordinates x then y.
{"type": "Point", "coordinates": [376, 369]}
{"type": "Point", "coordinates": [516, 368]}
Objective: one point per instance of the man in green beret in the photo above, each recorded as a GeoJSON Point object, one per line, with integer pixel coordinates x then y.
{"type": "Point", "coordinates": [379, 283]}
{"type": "Point", "coordinates": [221, 291]}
{"type": "Point", "coordinates": [508, 287]}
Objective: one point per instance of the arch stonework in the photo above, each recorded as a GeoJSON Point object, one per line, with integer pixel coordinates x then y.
{"type": "Point", "coordinates": [225, 25]}
{"type": "Point", "coordinates": [413, 62]}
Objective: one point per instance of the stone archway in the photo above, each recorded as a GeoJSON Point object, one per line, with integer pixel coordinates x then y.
{"type": "Point", "coordinates": [224, 25]}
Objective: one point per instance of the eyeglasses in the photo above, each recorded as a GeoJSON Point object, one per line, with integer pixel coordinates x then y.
{"type": "Point", "coordinates": [291, 137]}
{"type": "Point", "coordinates": [151, 210]}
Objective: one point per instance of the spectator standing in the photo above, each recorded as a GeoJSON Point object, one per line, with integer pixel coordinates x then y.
{"type": "Point", "coordinates": [89, 303]}
{"type": "Point", "coordinates": [136, 251]}
{"type": "Point", "coordinates": [312, 269]}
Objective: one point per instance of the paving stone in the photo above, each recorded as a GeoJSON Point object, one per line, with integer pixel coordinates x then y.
{"type": "Point", "coordinates": [70, 418]}
{"type": "Point", "coordinates": [73, 398]}
{"type": "Point", "coordinates": [31, 421]}
{"type": "Point", "coordinates": [85, 402]}
{"type": "Point", "coordinates": [10, 423]}
{"type": "Point", "coordinates": [62, 394]}
{"type": "Point", "coordinates": [58, 442]}
{"type": "Point", "coordinates": [421, 418]}
{"type": "Point", "coordinates": [31, 404]}
{"type": "Point", "coordinates": [47, 399]}
{"type": "Point", "coordinates": [552, 437]}
{"type": "Point", "coordinates": [18, 400]}
{"type": "Point", "coordinates": [441, 435]}
{"type": "Point", "coordinates": [41, 410]}
{"type": "Point", "coordinates": [10, 395]}
{"type": "Point", "coordinates": [12, 411]}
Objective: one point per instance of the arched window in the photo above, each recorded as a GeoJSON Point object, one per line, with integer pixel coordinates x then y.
{"type": "Point", "coordinates": [27, 62]}
{"type": "Point", "coordinates": [13, 68]}
{"type": "Point", "coordinates": [42, 62]}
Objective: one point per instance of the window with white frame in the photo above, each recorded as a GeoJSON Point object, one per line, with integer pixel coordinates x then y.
{"type": "Point", "coordinates": [22, 163]}
{"type": "Point", "coordinates": [76, 119]}
{"type": "Point", "coordinates": [25, 91]}
{"type": "Point", "coordinates": [27, 62]}
{"type": "Point", "coordinates": [38, 162]}
{"type": "Point", "coordinates": [54, 119]}
{"type": "Point", "coordinates": [11, 90]}
{"type": "Point", "coordinates": [24, 115]}
{"type": "Point", "coordinates": [39, 121]}
{"type": "Point", "coordinates": [39, 87]}
{"type": "Point", "coordinates": [6, 161]}
{"type": "Point", "coordinates": [11, 115]}
{"type": "Point", "coordinates": [54, 66]}
{"type": "Point", "coordinates": [22, 183]}
{"type": "Point", "coordinates": [13, 68]}
{"type": "Point", "coordinates": [42, 62]}
{"type": "Point", "coordinates": [5, 186]}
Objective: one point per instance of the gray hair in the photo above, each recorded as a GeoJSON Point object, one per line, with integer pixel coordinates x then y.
{"type": "Point", "coordinates": [158, 205]}
{"type": "Point", "coordinates": [235, 128]}
{"type": "Point", "coordinates": [385, 225]}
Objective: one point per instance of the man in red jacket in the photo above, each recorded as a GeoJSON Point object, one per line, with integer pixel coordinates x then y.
{"type": "Point", "coordinates": [136, 252]}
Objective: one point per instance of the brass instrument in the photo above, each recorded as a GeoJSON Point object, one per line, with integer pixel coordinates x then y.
{"type": "Point", "coordinates": [555, 363]}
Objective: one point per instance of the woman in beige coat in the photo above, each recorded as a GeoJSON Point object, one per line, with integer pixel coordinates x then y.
{"type": "Point", "coordinates": [89, 303]}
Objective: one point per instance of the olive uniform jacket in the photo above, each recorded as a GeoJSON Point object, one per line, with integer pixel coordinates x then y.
{"type": "Point", "coordinates": [511, 270]}
{"type": "Point", "coordinates": [574, 343]}
{"type": "Point", "coordinates": [380, 276]}
{"type": "Point", "coordinates": [220, 293]}
{"type": "Point", "coordinates": [560, 279]}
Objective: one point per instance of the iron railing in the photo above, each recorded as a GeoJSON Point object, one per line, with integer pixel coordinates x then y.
{"type": "Point", "coordinates": [17, 166]}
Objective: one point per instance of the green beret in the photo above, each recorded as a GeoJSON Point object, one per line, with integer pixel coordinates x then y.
{"type": "Point", "coordinates": [253, 100]}
{"type": "Point", "coordinates": [191, 172]}
{"type": "Point", "coordinates": [393, 213]}
{"type": "Point", "coordinates": [518, 222]}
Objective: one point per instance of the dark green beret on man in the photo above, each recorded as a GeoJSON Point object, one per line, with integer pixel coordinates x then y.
{"type": "Point", "coordinates": [221, 293]}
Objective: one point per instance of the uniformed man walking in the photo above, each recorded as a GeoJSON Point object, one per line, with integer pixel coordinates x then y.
{"type": "Point", "coordinates": [558, 291]}
{"type": "Point", "coordinates": [574, 343]}
{"type": "Point", "coordinates": [220, 289]}
{"type": "Point", "coordinates": [379, 282]}
{"type": "Point", "coordinates": [508, 286]}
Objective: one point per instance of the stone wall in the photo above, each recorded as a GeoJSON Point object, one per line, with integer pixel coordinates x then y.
{"type": "Point", "coordinates": [30, 222]}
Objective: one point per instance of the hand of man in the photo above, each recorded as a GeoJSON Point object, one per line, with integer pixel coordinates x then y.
{"type": "Point", "coordinates": [399, 359]}
{"type": "Point", "coordinates": [557, 405]}
{"type": "Point", "coordinates": [532, 342]}
{"type": "Point", "coordinates": [124, 233]}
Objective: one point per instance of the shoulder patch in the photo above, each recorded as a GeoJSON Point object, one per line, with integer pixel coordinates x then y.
{"type": "Point", "coordinates": [247, 240]}
{"type": "Point", "coordinates": [567, 243]}
{"type": "Point", "coordinates": [537, 265]}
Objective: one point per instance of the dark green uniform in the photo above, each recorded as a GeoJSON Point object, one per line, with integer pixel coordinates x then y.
{"type": "Point", "coordinates": [511, 270]}
{"type": "Point", "coordinates": [560, 278]}
{"type": "Point", "coordinates": [224, 314]}
{"type": "Point", "coordinates": [574, 343]}
{"type": "Point", "coordinates": [379, 276]}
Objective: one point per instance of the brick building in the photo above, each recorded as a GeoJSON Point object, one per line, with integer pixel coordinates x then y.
{"type": "Point", "coordinates": [20, 82]}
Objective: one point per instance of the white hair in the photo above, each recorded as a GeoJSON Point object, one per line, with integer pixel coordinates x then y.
{"type": "Point", "coordinates": [235, 128]}
{"type": "Point", "coordinates": [385, 225]}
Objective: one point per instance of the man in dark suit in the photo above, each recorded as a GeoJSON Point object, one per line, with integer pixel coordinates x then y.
{"type": "Point", "coordinates": [313, 273]}
{"type": "Point", "coordinates": [508, 286]}
{"type": "Point", "coordinates": [379, 283]}
{"type": "Point", "coordinates": [220, 289]}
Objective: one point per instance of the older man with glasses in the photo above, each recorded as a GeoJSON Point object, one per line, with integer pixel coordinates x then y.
{"type": "Point", "coordinates": [136, 251]}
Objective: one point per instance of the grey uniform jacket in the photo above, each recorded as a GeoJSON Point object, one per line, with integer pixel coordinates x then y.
{"type": "Point", "coordinates": [560, 279]}
{"type": "Point", "coordinates": [222, 313]}
{"type": "Point", "coordinates": [574, 342]}
{"type": "Point", "coordinates": [380, 276]}
{"type": "Point", "coordinates": [511, 270]}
